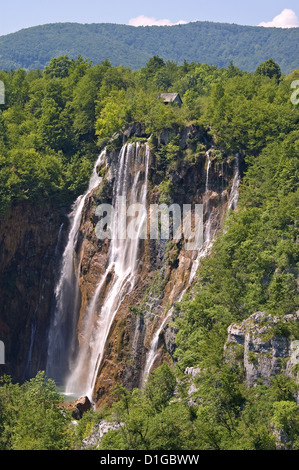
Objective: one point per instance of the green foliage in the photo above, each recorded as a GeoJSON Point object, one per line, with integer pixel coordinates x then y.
{"type": "Point", "coordinates": [51, 128]}
{"type": "Point", "coordinates": [247, 113]}
{"type": "Point", "coordinates": [58, 67]}
{"type": "Point", "coordinates": [84, 427]}
{"type": "Point", "coordinates": [47, 131]}
{"type": "Point", "coordinates": [227, 415]}
{"type": "Point", "coordinates": [164, 191]}
{"type": "Point", "coordinates": [160, 387]}
{"type": "Point", "coordinates": [285, 415]}
{"type": "Point", "coordinates": [30, 417]}
{"type": "Point", "coordinates": [150, 418]}
{"type": "Point", "coordinates": [249, 46]}
{"type": "Point", "coordinates": [113, 115]}
{"type": "Point", "coordinates": [269, 69]}
{"type": "Point", "coordinates": [49, 122]}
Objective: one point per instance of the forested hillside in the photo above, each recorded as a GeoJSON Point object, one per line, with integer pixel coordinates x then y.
{"type": "Point", "coordinates": [205, 42]}
{"type": "Point", "coordinates": [52, 126]}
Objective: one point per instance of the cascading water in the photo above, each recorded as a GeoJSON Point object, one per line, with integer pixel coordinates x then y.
{"type": "Point", "coordinates": [232, 203]}
{"type": "Point", "coordinates": [74, 362]}
{"type": "Point", "coordinates": [234, 194]}
{"type": "Point", "coordinates": [209, 234]}
{"type": "Point", "coordinates": [120, 276]}
{"type": "Point", "coordinates": [61, 331]}
{"type": "Point", "coordinates": [152, 353]}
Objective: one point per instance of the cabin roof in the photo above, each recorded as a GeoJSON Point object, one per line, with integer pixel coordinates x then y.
{"type": "Point", "coordinates": [170, 97]}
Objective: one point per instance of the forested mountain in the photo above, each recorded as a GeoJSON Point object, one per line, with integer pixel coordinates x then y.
{"type": "Point", "coordinates": [209, 388]}
{"type": "Point", "coordinates": [205, 42]}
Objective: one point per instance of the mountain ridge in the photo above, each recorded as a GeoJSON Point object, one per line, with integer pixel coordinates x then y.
{"type": "Point", "coordinates": [201, 41]}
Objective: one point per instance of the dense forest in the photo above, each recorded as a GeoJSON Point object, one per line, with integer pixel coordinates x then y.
{"type": "Point", "coordinates": [205, 42]}
{"type": "Point", "coordinates": [52, 126]}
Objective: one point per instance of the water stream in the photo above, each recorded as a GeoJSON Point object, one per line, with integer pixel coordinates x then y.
{"type": "Point", "coordinates": [119, 278]}
{"type": "Point", "coordinates": [209, 234]}
{"type": "Point", "coordinates": [62, 328]}
{"type": "Point", "coordinates": [75, 364]}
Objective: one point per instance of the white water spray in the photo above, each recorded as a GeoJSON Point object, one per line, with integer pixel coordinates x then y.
{"type": "Point", "coordinates": [66, 291]}
{"type": "Point", "coordinates": [202, 253]}
{"type": "Point", "coordinates": [120, 275]}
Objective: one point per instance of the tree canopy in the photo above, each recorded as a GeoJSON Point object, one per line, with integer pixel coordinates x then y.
{"type": "Point", "coordinates": [53, 125]}
{"type": "Point", "coordinates": [205, 42]}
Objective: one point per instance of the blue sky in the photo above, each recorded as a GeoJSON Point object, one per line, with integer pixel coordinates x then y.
{"type": "Point", "coordinates": [18, 14]}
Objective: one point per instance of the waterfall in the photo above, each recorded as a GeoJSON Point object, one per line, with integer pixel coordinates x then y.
{"type": "Point", "coordinates": [234, 194]}
{"type": "Point", "coordinates": [75, 353]}
{"type": "Point", "coordinates": [208, 236]}
{"type": "Point", "coordinates": [232, 203]}
{"type": "Point", "coordinates": [61, 332]}
{"type": "Point", "coordinates": [152, 353]}
{"type": "Point", "coordinates": [120, 275]}
{"type": "Point", "coordinates": [34, 321]}
{"type": "Point", "coordinates": [208, 168]}
{"type": "Point", "coordinates": [202, 252]}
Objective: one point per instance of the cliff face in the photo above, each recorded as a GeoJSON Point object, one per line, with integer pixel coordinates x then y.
{"type": "Point", "coordinates": [265, 346]}
{"type": "Point", "coordinates": [139, 335]}
{"type": "Point", "coordinates": [29, 254]}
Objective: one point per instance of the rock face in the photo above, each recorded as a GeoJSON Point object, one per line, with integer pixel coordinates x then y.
{"type": "Point", "coordinates": [97, 433]}
{"type": "Point", "coordinates": [81, 406]}
{"type": "Point", "coordinates": [164, 267]}
{"type": "Point", "coordinates": [31, 245]}
{"type": "Point", "coordinates": [264, 345]}
{"type": "Point", "coordinates": [192, 373]}
{"type": "Point", "coordinates": [30, 240]}
{"type": "Point", "coordinates": [77, 407]}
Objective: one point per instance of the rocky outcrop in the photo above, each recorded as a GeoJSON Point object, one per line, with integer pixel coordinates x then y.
{"type": "Point", "coordinates": [265, 346]}
{"type": "Point", "coordinates": [191, 374]}
{"type": "Point", "coordinates": [97, 433]}
{"type": "Point", "coordinates": [80, 407]}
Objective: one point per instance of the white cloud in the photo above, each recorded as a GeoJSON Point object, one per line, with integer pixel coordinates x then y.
{"type": "Point", "coordinates": [148, 21]}
{"type": "Point", "coordinates": [286, 19]}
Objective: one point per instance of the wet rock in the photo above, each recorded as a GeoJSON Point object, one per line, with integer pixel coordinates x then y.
{"type": "Point", "coordinates": [169, 339]}
{"type": "Point", "coordinates": [163, 271]}
{"type": "Point", "coordinates": [80, 407]}
{"type": "Point", "coordinates": [134, 130]}
{"type": "Point", "coordinates": [31, 237]}
{"type": "Point", "coordinates": [164, 137]}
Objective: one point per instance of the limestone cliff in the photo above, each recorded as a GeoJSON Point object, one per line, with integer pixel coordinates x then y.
{"type": "Point", "coordinates": [165, 268]}
{"type": "Point", "coordinates": [29, 259]}
{"type": "Point", "coordinates": [140, 337]}
{"type": "Point", "coordinates": [265, 345]}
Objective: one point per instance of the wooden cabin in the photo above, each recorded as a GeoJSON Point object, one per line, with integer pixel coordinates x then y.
{"type": "Point", "coordinates": [171, 98]}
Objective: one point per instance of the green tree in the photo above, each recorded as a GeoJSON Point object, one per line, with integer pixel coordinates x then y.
{"type": "Point", "coordinates": [269, 69]}
{"type": "Point", "coordinates": [59, 67]}
{"type": "Point", "coordinates": [32, 419]}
